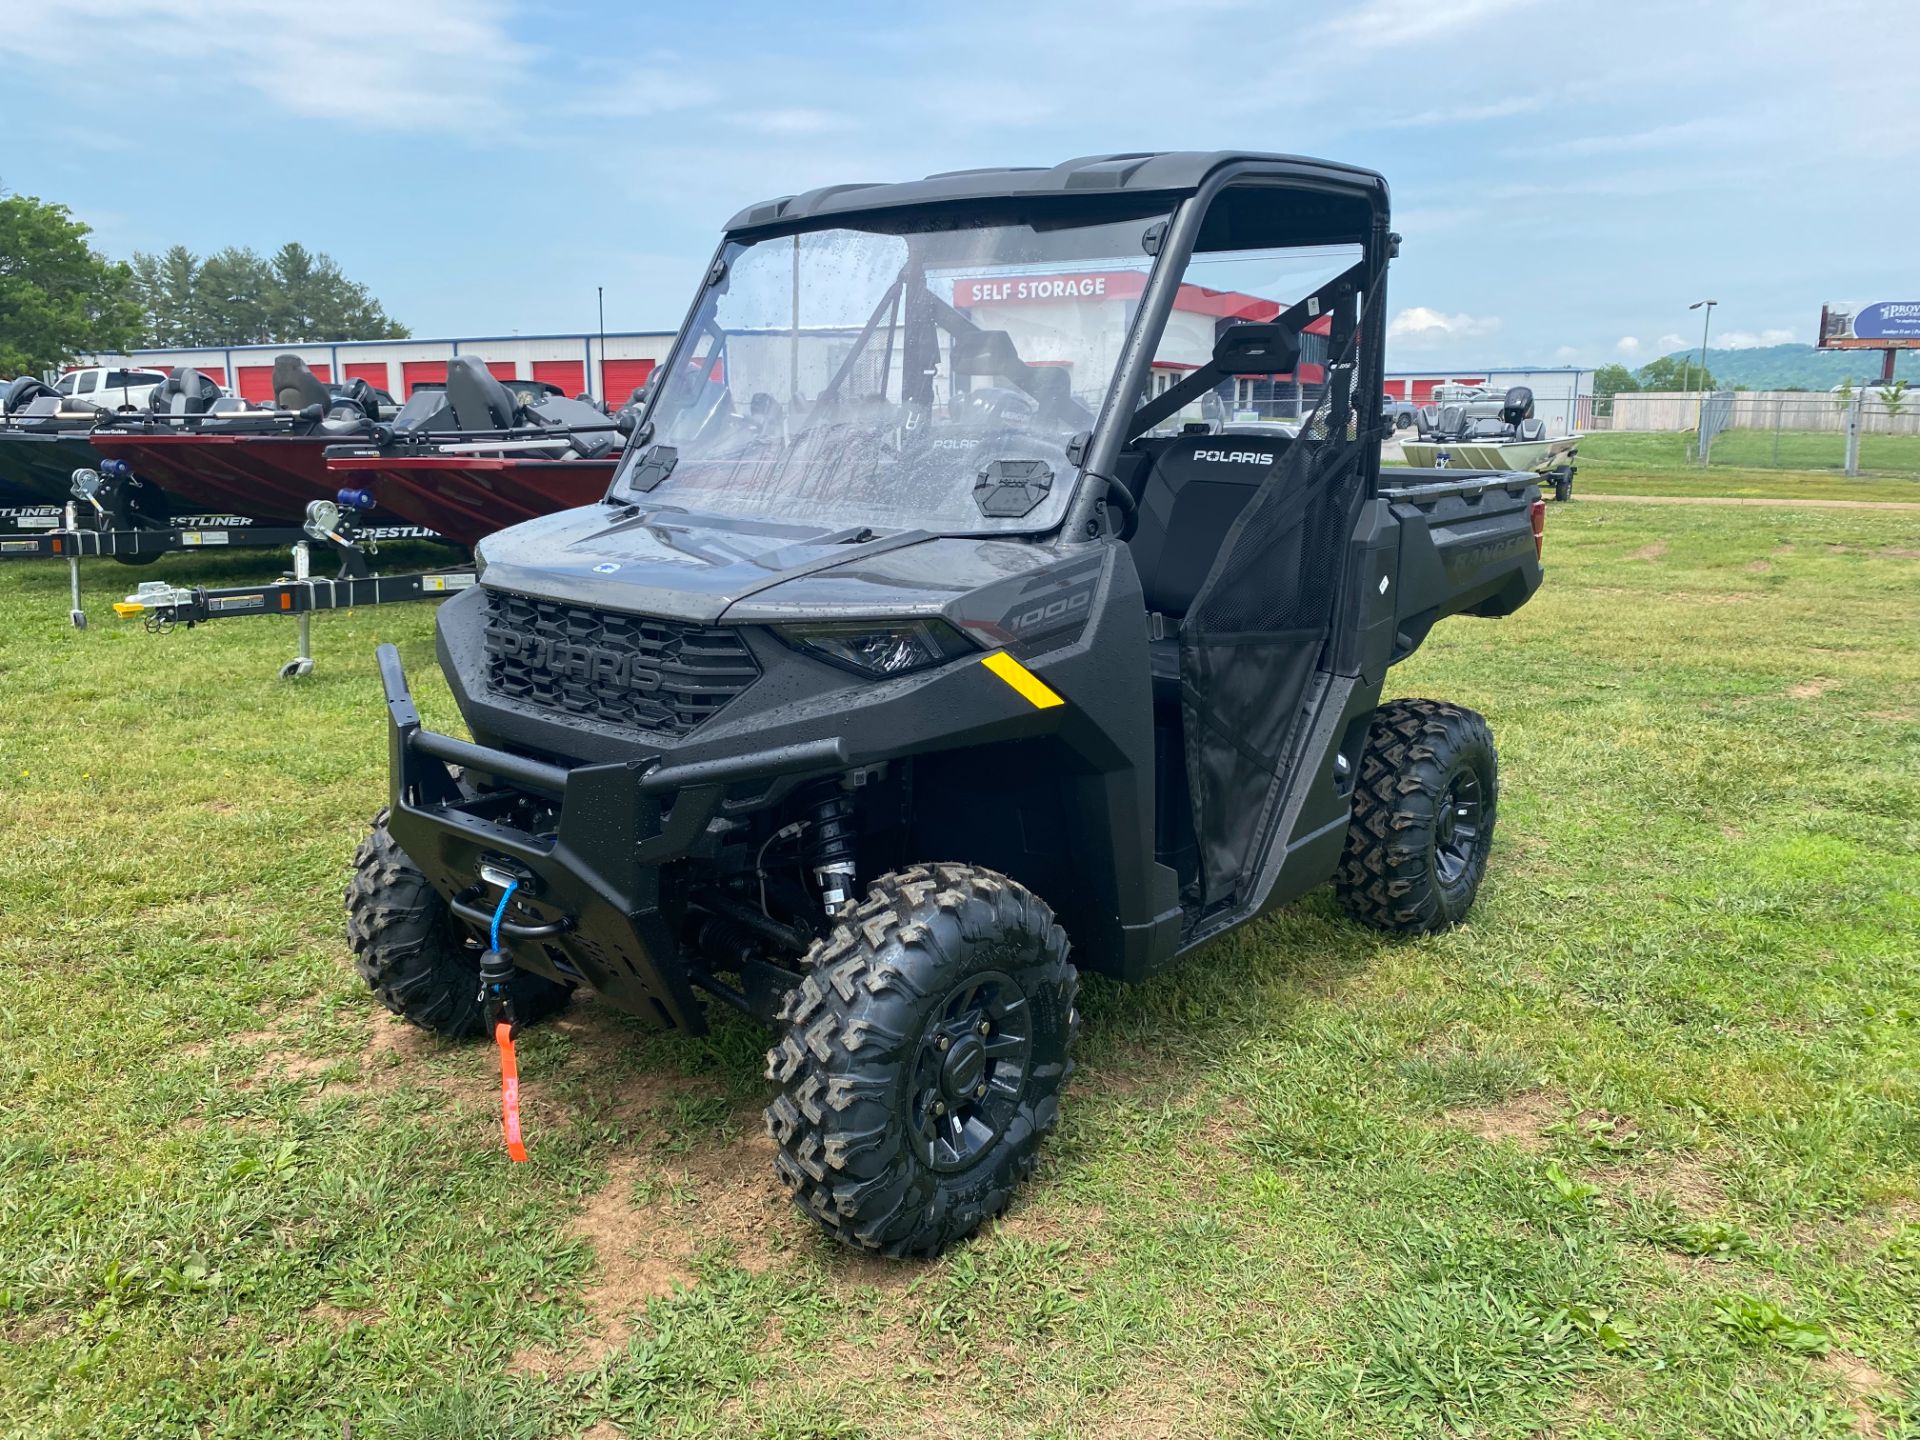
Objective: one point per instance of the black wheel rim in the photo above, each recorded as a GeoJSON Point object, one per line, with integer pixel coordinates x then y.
{"type": "Point", "coordinates": [1459, 826]}
{"type": "Point", "coordinates": [970, 1070]}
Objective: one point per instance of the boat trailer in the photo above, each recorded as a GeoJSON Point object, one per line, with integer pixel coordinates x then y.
{"type": "Point", "coordinates": [161, 607]}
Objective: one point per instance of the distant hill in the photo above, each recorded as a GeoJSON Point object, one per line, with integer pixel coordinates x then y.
{"type": "Point", "coordinates": [1786, 367]}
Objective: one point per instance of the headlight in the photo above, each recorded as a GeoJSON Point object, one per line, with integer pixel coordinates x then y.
{"type": "Point", "coordinates": [877, 647]}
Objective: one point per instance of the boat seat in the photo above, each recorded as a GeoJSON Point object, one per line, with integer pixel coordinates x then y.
{"type": "Point", "coordinates": [1531, 429]}
{"type": "Point", "coordinates": [185, 391]}
{"type": "Point", "coordinates": [479, 401]}
{"type": "Point", "coordinates": [1190, 489]}
{"type": "Point", "coordinates": [295, 387]}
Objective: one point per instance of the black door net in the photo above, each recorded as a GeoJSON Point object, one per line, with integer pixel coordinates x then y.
{"type": "Point", "coordinates": [1253, 637]}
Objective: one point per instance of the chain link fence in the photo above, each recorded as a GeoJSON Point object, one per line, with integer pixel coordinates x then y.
{"type": "Point", "coordinates": [1853, 432]}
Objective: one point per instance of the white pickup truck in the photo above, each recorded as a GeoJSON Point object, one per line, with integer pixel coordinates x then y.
{"type": "Point", "coordinates": [110, 387]}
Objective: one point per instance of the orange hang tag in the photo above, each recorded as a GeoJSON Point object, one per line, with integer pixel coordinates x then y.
{"type": "Point", "coordinates": [509, 1091]}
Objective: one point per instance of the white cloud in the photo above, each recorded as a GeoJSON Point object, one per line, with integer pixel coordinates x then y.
{"type": "Point", "coordinates": [1669, 343]}
{"type": "Point", "coordinates": [1661, 137]}
{"type": "Point", "coordinates": [1466, 114]}
{"type": "Point", "coordinates": [1748, 340]}
{"type": "Point", "coordinates": [794, 121]}
{"type": "Point", "coordinates": [1628, 345]}
{"type": "Point", "coordinates": [1380, 24]}
{"type": "Point", "coordinates": [425, 65]}
{"type": "Point", "coordinates": [1567, 354]}
{"type": "Point", "coordinates": [1418, 328]}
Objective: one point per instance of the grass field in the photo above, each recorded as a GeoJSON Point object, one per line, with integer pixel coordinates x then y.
{"type": "Point", "coordinates": [1813, 462]}
{"type": "Point", "coordinates": [1634, 1154]}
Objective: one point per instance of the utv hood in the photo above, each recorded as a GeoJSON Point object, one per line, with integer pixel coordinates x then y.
{"type": "Point", "coordinates": [665, 563]}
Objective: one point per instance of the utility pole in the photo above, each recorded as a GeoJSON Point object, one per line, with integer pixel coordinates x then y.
{"type": "Point", "coordinates": [600, 294]}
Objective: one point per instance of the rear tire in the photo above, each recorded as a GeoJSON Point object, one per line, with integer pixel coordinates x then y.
{"type": "Point", "coordinates": [922, 1059]}
{"type": "Point", "coordinates": [416, 957]}
{"type": "Point", "coordinates": [1423, 816]}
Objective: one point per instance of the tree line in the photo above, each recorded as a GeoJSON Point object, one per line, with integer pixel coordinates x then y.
{"type": "Point", "coordinates": [61, 299]}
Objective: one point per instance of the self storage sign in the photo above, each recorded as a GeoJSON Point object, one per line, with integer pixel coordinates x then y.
{"type": "Point", "coordinates": [1048, 289]}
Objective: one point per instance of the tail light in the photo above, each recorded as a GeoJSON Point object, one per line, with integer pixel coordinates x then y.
{"type": "Point", "coordinates": [1539, 516]}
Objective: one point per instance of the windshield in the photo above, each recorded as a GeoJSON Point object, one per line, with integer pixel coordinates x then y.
{"type": "Point", "coordinates": [926, 379]}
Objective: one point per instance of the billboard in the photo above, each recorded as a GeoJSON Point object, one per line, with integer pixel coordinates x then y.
{"type": "Point", "coordinates": [1885, 325]}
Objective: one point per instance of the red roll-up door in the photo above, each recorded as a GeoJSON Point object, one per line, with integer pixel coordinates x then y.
{"type": "Point", "coordinates": [215, 373]}
{"type": "Point", "coordinates": [374, 372]}
{"type": "Point", "coordinates": [1396, 388]}
{"type": "Point", "coordinates": [569, 375]}
{"type": "Point", "coordinates": [256, 384]}
{"type": "Point", "coordinates": [422, 372]}
{"type": "Point", "coordinates": [619, 378]}
{"type": "Point", "coordinates": [1423, 391]}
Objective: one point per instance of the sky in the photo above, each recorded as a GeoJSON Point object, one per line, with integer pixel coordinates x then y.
{"type": "Point", "coordinates": [1568, 176]}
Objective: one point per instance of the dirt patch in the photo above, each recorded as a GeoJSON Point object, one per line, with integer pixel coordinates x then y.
{"type": "Point", "coordinates": [1519, 1120]}
{"type": "Point", "coordinates": [1758, 567]}
{"type": "Point", "coordinates": [1650, 552]}
{"type": "Point", "coordinates": [1857, 1380]}
{"type": "Point", "coordinates": [634, 1266]}
{"type": "Point", "coordinates": [1685, 1178]}
{"type": "Point", "coordinates": [1812, 689]}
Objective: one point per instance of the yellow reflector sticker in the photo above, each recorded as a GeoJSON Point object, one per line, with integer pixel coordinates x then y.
{"type": "Point", "coordinates": [1030, 685]}
{"type": "Point", "coordinates": [123, 607]}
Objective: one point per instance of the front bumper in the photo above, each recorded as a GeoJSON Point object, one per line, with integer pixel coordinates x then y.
{"type": "Point", "coordinates": [589, 908]}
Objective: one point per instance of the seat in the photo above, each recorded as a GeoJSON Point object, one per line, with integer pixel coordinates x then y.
{"type": "Point", "coordinates": [295, 387]}
{"type": "Point", "coordinates": [1189, 489]}
{"type": "Point", "coordinates": [480, 402]}
{"type": "Point", "coordinates": [185, 391]}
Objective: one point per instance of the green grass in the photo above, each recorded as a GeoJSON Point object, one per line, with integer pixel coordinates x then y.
{"type": "Point", "coordinates": [1635, 1153]}
{"type": "Point", "coordinates": [1807, 460]}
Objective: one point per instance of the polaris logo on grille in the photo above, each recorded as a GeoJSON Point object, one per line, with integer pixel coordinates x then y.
{"type": "Point", "coordinates": [564, 660]}
{"type": "Point", "coordinates": [1234, 457]}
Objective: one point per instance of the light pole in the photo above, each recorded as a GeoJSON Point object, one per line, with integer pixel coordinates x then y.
{"type": "Point", "coordinates": [1705, 323]}
{"type": "Point", "coordinates": [600, 293]}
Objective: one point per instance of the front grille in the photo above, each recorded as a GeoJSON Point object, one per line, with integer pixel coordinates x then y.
{"type": "Point", "coordinates": [657, 675]}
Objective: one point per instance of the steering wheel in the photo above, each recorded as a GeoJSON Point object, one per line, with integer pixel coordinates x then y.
{"type": "Point", "coordinates": [1129, 509]}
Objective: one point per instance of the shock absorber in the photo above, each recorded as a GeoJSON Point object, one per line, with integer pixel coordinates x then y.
{"type": "Point", "coordinates": [832, 846]}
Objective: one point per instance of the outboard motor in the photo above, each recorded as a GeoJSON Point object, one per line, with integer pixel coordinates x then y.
{"type": "Point", "coordinates": [23, 392]}
{"type": "Point", "coordinates": [1517, 406]}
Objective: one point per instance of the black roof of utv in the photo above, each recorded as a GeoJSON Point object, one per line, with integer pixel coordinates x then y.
{"type": "Point", "coordinates": [1140, 173]}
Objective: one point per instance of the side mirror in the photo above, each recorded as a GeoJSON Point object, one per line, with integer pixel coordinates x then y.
{"type": "Point", "coordinates": [1268, 349]}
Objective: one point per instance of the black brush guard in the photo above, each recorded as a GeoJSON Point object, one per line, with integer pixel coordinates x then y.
{"type": "Point", "coordinates": [589, 905]}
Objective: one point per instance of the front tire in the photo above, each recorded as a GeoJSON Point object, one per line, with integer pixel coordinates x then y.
{"type": "Point", "coordinates": [922, 1059]}
{"type": "Point", "coordinates": [1423, 815]}
{"type": "Point", "coordinates": [416, 957]}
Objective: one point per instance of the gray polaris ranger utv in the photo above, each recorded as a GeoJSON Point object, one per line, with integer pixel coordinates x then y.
{"type": "Point", "coordinates": [1000, 579]}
